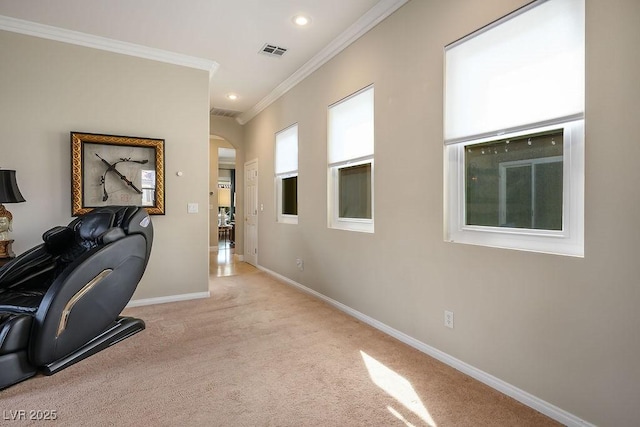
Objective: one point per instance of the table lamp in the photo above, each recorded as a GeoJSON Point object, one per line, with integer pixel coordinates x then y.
{"type": "Point", "coordinates": [224, 201]}
{"type": "Point", "coordinates": [9, 193]}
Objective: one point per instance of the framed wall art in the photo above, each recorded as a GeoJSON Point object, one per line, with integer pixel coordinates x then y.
{"type": "Point", "coordinates": [111, 170]}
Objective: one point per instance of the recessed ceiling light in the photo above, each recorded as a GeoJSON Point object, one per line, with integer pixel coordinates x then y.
{"type": "Point", "coordinates": [301, 20]}
{"type": "Point", "coordinates": [232, 96]}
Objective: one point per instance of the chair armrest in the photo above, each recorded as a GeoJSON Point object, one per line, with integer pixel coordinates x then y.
{"type": "Point", "coordinates": [58, 239]}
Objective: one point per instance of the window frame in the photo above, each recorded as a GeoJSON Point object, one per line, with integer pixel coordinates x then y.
{"type": "Point", "coordinates": [279, 176]}
{"type": "Point", "coordinates": [345, 223]}
{"type": "Point", "coordinates": [568, 241]}
{"type": "Point", "coordinates": [334, 221]}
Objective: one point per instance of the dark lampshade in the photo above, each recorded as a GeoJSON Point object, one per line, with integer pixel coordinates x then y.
{"type": "Point", "coordinates": [9, 191]}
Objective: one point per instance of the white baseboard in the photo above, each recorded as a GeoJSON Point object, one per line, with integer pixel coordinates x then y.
{"type": "Point", "coordinates": [239, 257]}
{"type": "Point", "coordinates": [213, 249]}
{"type": "Point", "coordinates": [522, 396]}
{"type": "Point", "coordinates": [170, 298]}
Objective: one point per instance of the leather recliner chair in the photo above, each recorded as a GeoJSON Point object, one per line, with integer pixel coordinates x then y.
{"type": "Point", "coordinates": [60, 301]}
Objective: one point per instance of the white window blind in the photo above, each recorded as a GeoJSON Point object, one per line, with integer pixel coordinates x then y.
{"type": "Point", "coordinates": [351, 127]}
{"type": "Point", "coordinates": [287, 150]}
{"type": "Point", "coordinates": [523, 70]}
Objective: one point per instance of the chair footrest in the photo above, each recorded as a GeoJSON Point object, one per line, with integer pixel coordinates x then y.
{"type": "Point", "coordinates": [123, 328]}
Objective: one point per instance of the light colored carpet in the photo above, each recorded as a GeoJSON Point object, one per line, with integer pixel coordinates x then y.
{"type": "Point", "coordinates": [260, 353]}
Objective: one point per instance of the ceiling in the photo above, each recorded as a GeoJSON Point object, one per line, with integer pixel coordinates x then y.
{"type": "Point", "coordinates": [228, 33]}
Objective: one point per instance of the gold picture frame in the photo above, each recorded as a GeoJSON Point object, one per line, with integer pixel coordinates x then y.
{"type": "Point", "coordinates": [109, 170]}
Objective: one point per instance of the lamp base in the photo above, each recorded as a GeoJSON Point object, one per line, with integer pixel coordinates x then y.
{"type": "Point", "coordinates": [5, 249]}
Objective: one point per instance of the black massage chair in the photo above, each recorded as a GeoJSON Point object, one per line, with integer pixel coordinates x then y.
{"type": "Point", "coordinates": [60, 301]}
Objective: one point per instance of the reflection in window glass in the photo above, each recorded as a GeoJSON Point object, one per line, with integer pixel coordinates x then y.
{"type": "Point", "coordinates": [516, 183]}
{"type": "Point", "coordinates": [355, 191]}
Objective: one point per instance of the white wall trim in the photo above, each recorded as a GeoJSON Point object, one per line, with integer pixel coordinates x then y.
{"type": "Point", "coordinates": [373, 17]}
{"type": "Point", "coordinates": [170, 298]}
{"type": "Point", "coordinates": [521, 396]}
{"type": "Point", "coordinates": [75, 37]}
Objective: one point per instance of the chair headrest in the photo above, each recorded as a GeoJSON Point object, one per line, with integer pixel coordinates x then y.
{"type": "Point", "coordinates": [89, 228]}
{"type": "Point", "coordinates": [93, 224]}
{"type": "Point", "coordinates": [120, 215]}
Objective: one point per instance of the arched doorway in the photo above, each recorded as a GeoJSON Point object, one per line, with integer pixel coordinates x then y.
{"type": "Point", "coordinates": [222, 192]}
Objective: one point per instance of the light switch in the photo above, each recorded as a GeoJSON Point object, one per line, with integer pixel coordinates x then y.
{"type": "Point", "coordinates": [192, 208]}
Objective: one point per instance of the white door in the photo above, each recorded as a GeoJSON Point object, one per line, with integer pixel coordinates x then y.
{"type": "Point", "coordinates": [251, 212]}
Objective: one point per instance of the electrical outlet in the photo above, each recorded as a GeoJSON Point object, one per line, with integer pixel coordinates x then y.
{"type": "Point", "coordinates": [448, 319]}
{"type": "Point", "coordinates": [300, 264]}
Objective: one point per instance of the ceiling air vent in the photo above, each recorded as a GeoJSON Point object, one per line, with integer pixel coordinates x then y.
{"type": "Point", "coordinates": [224, 113]}
{"type": "Point", "coordinates": [273, 50]}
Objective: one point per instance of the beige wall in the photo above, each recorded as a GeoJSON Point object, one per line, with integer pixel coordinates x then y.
{"type": "Point", "coordinates": [50, 88]}
{"type": "Point", "coordinates": [563, 329]}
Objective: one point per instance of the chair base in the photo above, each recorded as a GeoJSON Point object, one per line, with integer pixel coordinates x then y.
{"type": "Point", "coordinates": [123, 328]}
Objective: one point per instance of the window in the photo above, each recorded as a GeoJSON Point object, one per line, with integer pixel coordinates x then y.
{"type": "Point", "coordinates": [350, 154]}
{"type": "Point", "coordinates": [354, 189]}
{"type": "Point", "coordinates": [515, 183]}
{"type": "Point", "coordinates": [290, 195]}
{"type": "Point", "coordinates": [286, 169]}
{"type": "Point", "coordinates": [514, 131]}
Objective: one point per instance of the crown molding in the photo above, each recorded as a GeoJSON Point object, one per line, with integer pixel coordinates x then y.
{"type": "Point", "coordinates": [373, 17]}
{"type": "Point", "coordinates": [96, 42]}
